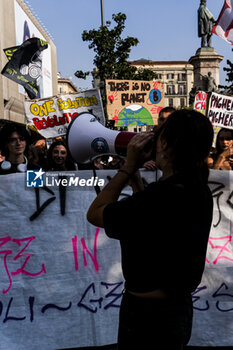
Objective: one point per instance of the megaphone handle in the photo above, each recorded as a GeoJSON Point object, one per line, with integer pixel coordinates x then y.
{"type": "Point", "coordinates": [122, 141]}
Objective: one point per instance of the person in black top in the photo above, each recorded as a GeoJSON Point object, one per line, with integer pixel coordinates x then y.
{"type": "Point", "coordinates": [163, 231]}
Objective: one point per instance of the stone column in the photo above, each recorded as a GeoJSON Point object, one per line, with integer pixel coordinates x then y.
{"type": "Point", "coordinates": [206, 60]}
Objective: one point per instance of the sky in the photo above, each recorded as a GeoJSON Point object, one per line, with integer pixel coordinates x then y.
{"type": "Point", "coordinates": [166, 30]}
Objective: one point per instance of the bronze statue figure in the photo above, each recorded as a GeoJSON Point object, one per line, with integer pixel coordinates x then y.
{"type": "Point", "coordinates": [205, 24]}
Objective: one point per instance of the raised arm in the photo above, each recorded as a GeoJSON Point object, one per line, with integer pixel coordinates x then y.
{"type": "Point", "coordinates": [136, 156]}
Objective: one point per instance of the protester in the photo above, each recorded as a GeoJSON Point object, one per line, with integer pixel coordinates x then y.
{"type": "Point", "coordinates": [58, 157]}
{"type": "Point", "coordinates": [163, 231]}
{"type": "Point", "coordinates": [41, 149]}
{"type": "Point", "coordinates": [163, 115]}
{"type": "Point", "coordinates": [32, 155]}
{"type": "Point", "coordinates": [223, 158]}
{"type": "Point", "coordinates": [14, 145]}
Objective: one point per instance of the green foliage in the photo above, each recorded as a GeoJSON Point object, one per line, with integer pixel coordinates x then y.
{"type": "Point", "coordinates": [229, 71]}
{"type": "Point", "coordinates": [81, 75]}
{"type": "Point", "coordinates": [145, 74]}
{"type": "Point", "coordinates": [112, 53]}
{"type": "Point", "coordinates": [228, 88]}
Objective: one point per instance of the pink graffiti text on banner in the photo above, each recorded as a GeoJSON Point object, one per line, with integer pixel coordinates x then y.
{"type": "Point", "coordinates": [222, 248]}
{"type": "Point", "coordinates": [21, 254]}
{"type": "Point", "coordinates": [85, 250]}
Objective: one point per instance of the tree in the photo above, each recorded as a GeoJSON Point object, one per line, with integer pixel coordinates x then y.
{"type": "Point", "coordinates": [228, 89]}
{"type": "Point", "coordinates": [112, 53]}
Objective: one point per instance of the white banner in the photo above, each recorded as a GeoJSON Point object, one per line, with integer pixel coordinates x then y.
{"type": "Point", "coordinates": [61, 279]}
{"type": "Point", "coordinates": [51, 117]}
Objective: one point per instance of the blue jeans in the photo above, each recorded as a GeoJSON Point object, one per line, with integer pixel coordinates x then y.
{"type": "Point", "coordinates": [154, 323]}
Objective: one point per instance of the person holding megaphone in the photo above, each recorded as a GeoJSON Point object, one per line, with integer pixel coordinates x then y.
{"type": "Point", "coordinates": [163, 231]}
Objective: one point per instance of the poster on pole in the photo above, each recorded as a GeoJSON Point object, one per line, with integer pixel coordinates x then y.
{"type": "Point", "coordinates": [25, 65]}
{"type": "Point", "coordinates": [51, 116]}
{"type": "Point", "coordinates": [134, 102]}
{"type": "Point", "coordinates": [24, 30]}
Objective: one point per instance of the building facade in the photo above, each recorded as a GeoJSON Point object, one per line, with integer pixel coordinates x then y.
{"type": "Point", "coordinates": [17, 24]}
{"type": "Point", "coordinates": [177, 77]}
{"type": "Point", "coordinates": [66, 86]}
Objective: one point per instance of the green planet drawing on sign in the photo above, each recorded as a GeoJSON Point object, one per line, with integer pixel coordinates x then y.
{"type": "Point", "coordinates": [134, 115]}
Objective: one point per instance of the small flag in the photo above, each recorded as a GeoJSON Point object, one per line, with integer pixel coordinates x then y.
{"type": "Point", "coordinates": [25, 65]}
{"type": "Point", "coordinates": [224, 25]}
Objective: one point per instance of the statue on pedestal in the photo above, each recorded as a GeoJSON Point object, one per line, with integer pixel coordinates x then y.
{"type": "Point", "coordinates": [209, 83]}
{"type": "Point", "coordinates": [205, 24]}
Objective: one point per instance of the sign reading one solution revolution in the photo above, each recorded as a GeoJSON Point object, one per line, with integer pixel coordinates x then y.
{"type": "Point", "coordinates": [51, 117]}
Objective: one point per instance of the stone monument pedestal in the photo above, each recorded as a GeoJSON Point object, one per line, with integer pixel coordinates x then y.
{"type": "Point", "coordinates": [206, 60]}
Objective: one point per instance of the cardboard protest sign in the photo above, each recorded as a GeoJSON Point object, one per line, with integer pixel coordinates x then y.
{"type": "Point", "coordinates": [200, 102]}
{"type": "Point", "coordinates": [134, 103]}
{"type": "Point", "coordinates": [25, 64]}
{"type": "Point", "coordinates": [201, 105]}
{"type": "Point", "coordinates": [51, 116]}
{"type": "Point", "coordinates": [220, 111]}
{"type": "Point", "coordinates": [61, 281]}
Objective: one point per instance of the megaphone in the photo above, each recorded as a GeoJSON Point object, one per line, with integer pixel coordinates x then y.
{"type": "Point", "coordinates": [87, 139]}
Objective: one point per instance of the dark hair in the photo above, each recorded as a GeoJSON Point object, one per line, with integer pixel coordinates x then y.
{"type": "Point", "coordinates": [167, 110]}
{"type": "Point", "coordinates": [5, 135]}
{"type": "Point", "coordinates": [190, 135]}
{"type": "Point", "coordinates": [218, 148]}
{"type": "Point", "coordinates": [69, 164]}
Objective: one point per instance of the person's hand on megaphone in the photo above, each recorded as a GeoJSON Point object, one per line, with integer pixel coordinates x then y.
{"type": "Point", "coordinates": [139, 150]}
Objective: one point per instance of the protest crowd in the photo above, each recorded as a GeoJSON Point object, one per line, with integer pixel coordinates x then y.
{"type": "Point", "coordinates": [17, 146]}
{"type": "Point", "coordinates": [20, 153]}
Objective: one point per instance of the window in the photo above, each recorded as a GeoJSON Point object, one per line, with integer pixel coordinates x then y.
{"type": "Point", "coordinates": [182, 102]}
{"type": "Point", "coordinates": [170, 76]}
{"type": "Point", "coordinates": [170, 89]}
{"type": "Point", "coordinates": [182, 76]}
{"type": "Point", "coordinates": [182, 89]}
{"type": "Point", "coordinates": [170, 102]}
{"type": "Point", "coordinates": [159, 76]}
